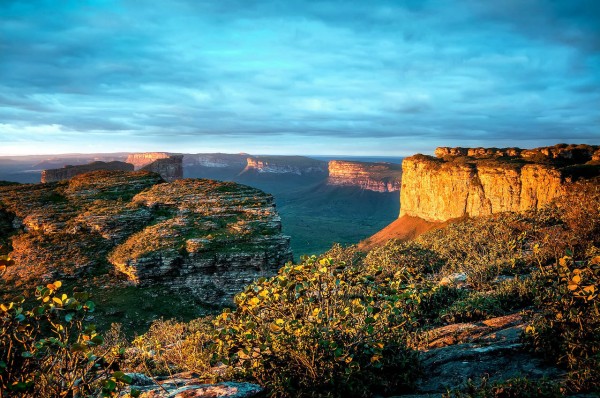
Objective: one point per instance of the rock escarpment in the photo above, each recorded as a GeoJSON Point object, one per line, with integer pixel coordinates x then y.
{"type": "Point", "coordinates": [378, 177]}
{"type": "Point", "coordinates": [169, 166]}
{"type": "Point", "coordinates": [298, 165]}
{"type": "Point", "coordinates": [216, 160]}
{"type": "Point", "coordinates": [209, 237]}
{"type": "Point", "coordinates": [475, 182]}
{"type": "Point", "coordinates": [67, 172]}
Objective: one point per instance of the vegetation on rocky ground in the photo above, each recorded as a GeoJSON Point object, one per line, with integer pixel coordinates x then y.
{"type": "Point", "coordinates": [345, 323]}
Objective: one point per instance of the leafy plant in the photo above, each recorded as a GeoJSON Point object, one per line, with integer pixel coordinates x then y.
{"type": "Point", "coordinates": [566, 331]}
{"type": "Point", "coordinates": [49, 350]}
{"type": "Point", "coordinates": [319, 327]}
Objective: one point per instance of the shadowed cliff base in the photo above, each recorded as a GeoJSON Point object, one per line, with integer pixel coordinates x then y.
{"type": "Point", "coordinates": [404, 228]}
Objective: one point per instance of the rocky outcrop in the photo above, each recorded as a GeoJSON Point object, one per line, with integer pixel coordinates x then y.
{"type": "Point", "coordinates": [216, 160]}
{"type": "Point", "coordinates": [170, 169]}
{"type": "Point", "coordinates": [298, 165]}
{"type": "Point", "coordinates": [378, 177]}
{"type": "Point", "coordinates": [207, 237]}
{"type": "Point", "coordinates": [186, 386]}
{"type": "Point", "coordinates": [139, 160]}
{"type": "Point", "coordinates": [493, 349]}
{"type": "Point", "coordinates": [562, 152]}
{"type": "Point", "coordinates": [487, 181]}
{"type": "Point", "coordinates": [169, 166]}
{"type": "Point", "coordinates": [67, 172]}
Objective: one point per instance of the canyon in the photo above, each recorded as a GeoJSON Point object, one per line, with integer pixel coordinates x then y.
{"type": "Point", "coordinates": [378, 177]}
{"type": "Point", "coordinates": [204, 237]}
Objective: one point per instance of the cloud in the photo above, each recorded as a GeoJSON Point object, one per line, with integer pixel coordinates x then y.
{"type": "Point", "coordinates": [229, 72]}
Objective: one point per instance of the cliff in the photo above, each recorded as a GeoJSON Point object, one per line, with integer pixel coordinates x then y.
{"type": "Point", "coordinates": [378, 177]}
{"type": "Point", "coordinates": [474, 182]}
{"type": "Point", "coordinates": [206, 237]}
{"type": "Point", "coordinates": [298, 165]}
{"type": "Point", "coordinates": [169, 166]}
{"type": "Point", "coordinates": [216, 160]}
{"type": "Point", "coordinates": [67, 172]}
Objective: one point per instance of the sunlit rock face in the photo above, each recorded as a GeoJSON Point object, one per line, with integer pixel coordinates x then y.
{"type": "Point", "coordinates": [378, 177]}
{"type": "Point", "coordinates": [169, 166]}
{"type": "Point", "coordinates": [216, 160]}
{"type": "Point", "coordinates": [463, 182]}
{"type": "Point", "coordinates": [209, 237]}
{"type": "Point", "coordinates": [67, 172]}
{"type": "Point", "coordinates": [298, 165]}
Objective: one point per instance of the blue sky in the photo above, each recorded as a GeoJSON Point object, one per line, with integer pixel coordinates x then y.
{"type": "Point", "coordinates": [297, 76]}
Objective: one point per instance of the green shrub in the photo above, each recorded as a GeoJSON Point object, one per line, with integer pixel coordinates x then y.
{"type": "Point", "coordinates": [49, 351]}
{"type": "Point", "coordinates": [566, 330]}
{"type": "Point", "coordinates": [519, 387]}
{"type": "Point", "coordinates": [319, 328]}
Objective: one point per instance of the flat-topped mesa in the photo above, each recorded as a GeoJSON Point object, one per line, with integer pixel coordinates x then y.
{"type": "Point", "coordinates": [299, 165]}
{"type": "Point", "coordinates": [487, 181]}
{"type": "Point", "coordinates": [378, 177]}
{"type": "Point", "coordinates": [169, 166]}
{"type": "Point", "coordinates": [140, 160]}
{"type": "Point", "coordinates": [68, 172]}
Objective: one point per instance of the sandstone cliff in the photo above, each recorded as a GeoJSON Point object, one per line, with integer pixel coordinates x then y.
{"type": "Point", "coordinates": [169, 166]}
{"type": "Point", "coordinates": [473, 182]}
{"type": "Point", "coordinates": [378, 177]}
{"type": "Point", "coordinates": [210, 238]}
{"type": "Point", "coordinates": [298, 165]}
{"type": "Point", "coordinates": [67, 172]}
{"type": "Point", "coordinates": [216, 160]}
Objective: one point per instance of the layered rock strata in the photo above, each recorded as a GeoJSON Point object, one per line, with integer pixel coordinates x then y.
{"type": "Point", "coordinates": [169, 166]}
{"type": "Point", "coordinates": [211, 238]}
{"type": "Point", "coordinates": [67, 172]}
{"type": "Point", "coordinates": [378, 177]}
{"type": "Point", "coordinates": [475, 182]}
{"type": "Point", "coordinates": [216, 160]}
{"type": "Point", "coordinates": [298, 165]}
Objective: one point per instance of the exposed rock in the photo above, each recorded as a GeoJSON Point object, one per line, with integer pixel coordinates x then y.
{"type": "Point", "coordinates": [67, 172]}
{"type": "Point", "coordinates": [379, 177]}
{"type": "Point", "coordinates": [562, 152]}
{"type": "Point", "coordinates": [211, 238]}
{"type": "Point", "coordinates": [298, 165]}
{"type": "Point", "coordinates": [458, 280]}
{"type": "Point", "coordinates": [169, 166]}
{"type": "Point", "coordinates": [216, 160]}
{"type": "Point", "coordinates": [187, 387]}
{"type": "Point", "coordinates": [453, 354]}
{"type": "Point", "coordinates": [140, 160]}
{"type": "Point", "coordinates": [170, 169]}
{"type": "Point", "coordinates": [458, 185]}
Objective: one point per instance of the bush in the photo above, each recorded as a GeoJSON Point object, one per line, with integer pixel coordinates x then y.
{"type": "Point", "coordinates": [319, 328]}
{"type": "Point", "coordinates": [49, 351]}
{"type": "Point", "coordinates": [566, 330]}
{"type": "Point", "coordinates": [170, 347]}
{"type": "Point", "coordinates": [519, 387]}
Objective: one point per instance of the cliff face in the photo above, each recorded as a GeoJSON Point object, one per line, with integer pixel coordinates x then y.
{"type": "Point", "coordinates": [209, 237]}
{"type": "Point", "coordinates": [170, 167]}
{"type": "Point", "coordinates": [378, 177]}
{"type": "Point", "coordinates": [298, 165]}
{"type": "Point", "coordinates": [140, 160]}
{"type": "Point", "coordinates": [474, 182]}
{"type": "Point", "coordinates": [216, 160]}
{"type": "Point", "coordinates": [67, 172]}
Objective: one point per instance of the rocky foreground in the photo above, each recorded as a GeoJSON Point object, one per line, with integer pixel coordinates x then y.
{"type": "Point", "coordinates": [209, 237]}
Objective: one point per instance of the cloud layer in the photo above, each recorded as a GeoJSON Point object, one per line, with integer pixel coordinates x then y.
{"type": "Point", "coordinates": [319, 76]}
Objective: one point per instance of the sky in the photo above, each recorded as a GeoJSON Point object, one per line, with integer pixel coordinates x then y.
{"type": "Point", "coordinates": [331, 77]}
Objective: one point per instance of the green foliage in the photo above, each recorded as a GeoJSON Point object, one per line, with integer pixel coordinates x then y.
{"type": "Point", "coordinates": [49, 351]}
{"type": "Point", "coordinates": [519, 387]}
{"type": "Point", "coordinates": [566, 331]}
{"type": "Point", "coordinates": [321, 327]}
